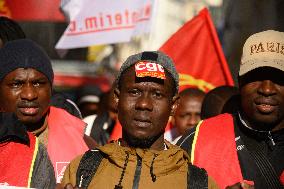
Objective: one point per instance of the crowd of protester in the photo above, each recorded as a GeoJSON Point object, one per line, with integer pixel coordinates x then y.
{"type": "Point", "coordinates": [229, 137]}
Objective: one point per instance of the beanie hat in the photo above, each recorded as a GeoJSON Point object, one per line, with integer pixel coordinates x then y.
{"type": "Point", "coordinates": [263, 49]}
{"type": "Point", "coordinates": [24, 53]}
{"type": "Point", "coordinates": [153, 56]}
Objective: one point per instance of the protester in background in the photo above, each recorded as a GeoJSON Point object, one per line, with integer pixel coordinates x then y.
{"type": "Point", "coordinates": [9, 30]}
{"type": "Point", "coordinates": [187, 114]}
{"type": "Point", "coordinates": [222, 99]}
{"type": "Point", "coordinates": [145, 95]}
{"type": "Point", "coordinates": [60, 100]}
{"type": "Point", "coordinates": [88, 100]}
{"type": "Point", "coordinates": [248, 146]}
{"type": "Point", "coordinates": [101, 125]}
{"type": "Point", "coordinates": [24, 160]}
{"type": "Point", "coordinates": [26, 78]}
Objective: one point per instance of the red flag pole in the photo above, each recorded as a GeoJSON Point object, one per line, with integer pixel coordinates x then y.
{"type": "Point", "coordinates": [213, 32]}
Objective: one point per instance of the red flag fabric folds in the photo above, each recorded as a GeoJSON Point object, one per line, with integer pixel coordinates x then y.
{"type": "Point", "coordinates": [32, 10]}
{"type": "Point", "coordinates": [198, 56]}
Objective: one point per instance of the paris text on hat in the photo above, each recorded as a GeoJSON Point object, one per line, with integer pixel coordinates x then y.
{"type": "Point", "coordinates": [263, 49]}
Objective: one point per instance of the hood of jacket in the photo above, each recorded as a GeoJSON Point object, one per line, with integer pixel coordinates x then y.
{"type": "Point", "coordinates": [163, 162]}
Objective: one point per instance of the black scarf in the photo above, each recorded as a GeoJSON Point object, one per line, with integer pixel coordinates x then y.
{"type": "Point", "coordinates": [11, 129]}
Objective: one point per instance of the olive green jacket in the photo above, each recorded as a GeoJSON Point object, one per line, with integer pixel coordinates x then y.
{"type": "Point", "coordinates": [169, 166]}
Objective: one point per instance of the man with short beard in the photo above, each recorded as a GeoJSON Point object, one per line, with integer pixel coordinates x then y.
{"type": "Point", "coordinates": [26, 80]}
{"type": "Point", "coordinates": [248, 144]}
{"type": "Point", "coordinates": [145, 96]}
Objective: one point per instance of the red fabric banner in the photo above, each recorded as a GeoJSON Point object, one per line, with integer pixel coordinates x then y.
{"type": "Point", "coordinates": [32, 10]}
{"type": "Point", "coordinates": [63, 80]}
{"type": "Point", "coordinates": [198, 56]}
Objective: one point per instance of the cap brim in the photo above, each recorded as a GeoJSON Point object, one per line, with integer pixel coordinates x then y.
{"type": "Point", "coordinates": [249, 66]}
{"type": "Point", "coordinates": [89, 98]}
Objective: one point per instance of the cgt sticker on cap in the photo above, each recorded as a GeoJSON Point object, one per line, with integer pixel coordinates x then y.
{"type": "Point", "coordinates": [149, 69]}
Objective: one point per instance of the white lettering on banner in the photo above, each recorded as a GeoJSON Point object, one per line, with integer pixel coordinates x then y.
{"type": "Point", "coordinates": [60, 169]}
{"type": "Point", "coordinates": [108, 21]}
{"type": "Point", "coordinates": [112, 21]}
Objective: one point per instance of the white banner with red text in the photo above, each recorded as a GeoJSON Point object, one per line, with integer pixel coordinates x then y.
{"type": "Point", "coordinates": [106, 22]}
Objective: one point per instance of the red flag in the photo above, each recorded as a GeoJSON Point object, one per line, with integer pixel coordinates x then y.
{"type": "Point", "coordinates": [32, 10]}
{"type": "Point", "coordinates": [4, 9]}
{"type": "Point", "coordinates": [198, 56]}
{"type": "Point", "coordinates": [116, 132]}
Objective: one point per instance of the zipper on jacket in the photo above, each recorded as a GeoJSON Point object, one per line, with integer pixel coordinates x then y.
{"type": "Point", "coordinates": [137, 173]}
{"type": "Point", "coordinates": [271, 138]}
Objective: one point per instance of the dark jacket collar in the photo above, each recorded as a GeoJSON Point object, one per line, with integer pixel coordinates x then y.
{"type": "Point", "coordinates": [11, 129]}
{"type": "Point", "coordinates": [273, 136]}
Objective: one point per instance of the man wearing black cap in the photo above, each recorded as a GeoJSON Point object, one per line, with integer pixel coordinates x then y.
{"type": "Point", "coordinates": [248, 147]}
{"type": "Point", "coordinates": [26, 78]}
{"type": "Point", "coordinates": [145, 96]}
{"type": "Point", "coordinates": [89, 97]}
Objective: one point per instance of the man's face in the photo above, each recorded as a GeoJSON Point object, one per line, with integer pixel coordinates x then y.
{"type": "Point", "coordinates": [144, 107]}
{"type": "Point", "coordinates": [26, 92]}
{"type": "Point", "coordinates": [262, 98]}
{"type": "Point", "coordinates": [89, 108]}
{"type": "Point", "coordinates": [187, 113]}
